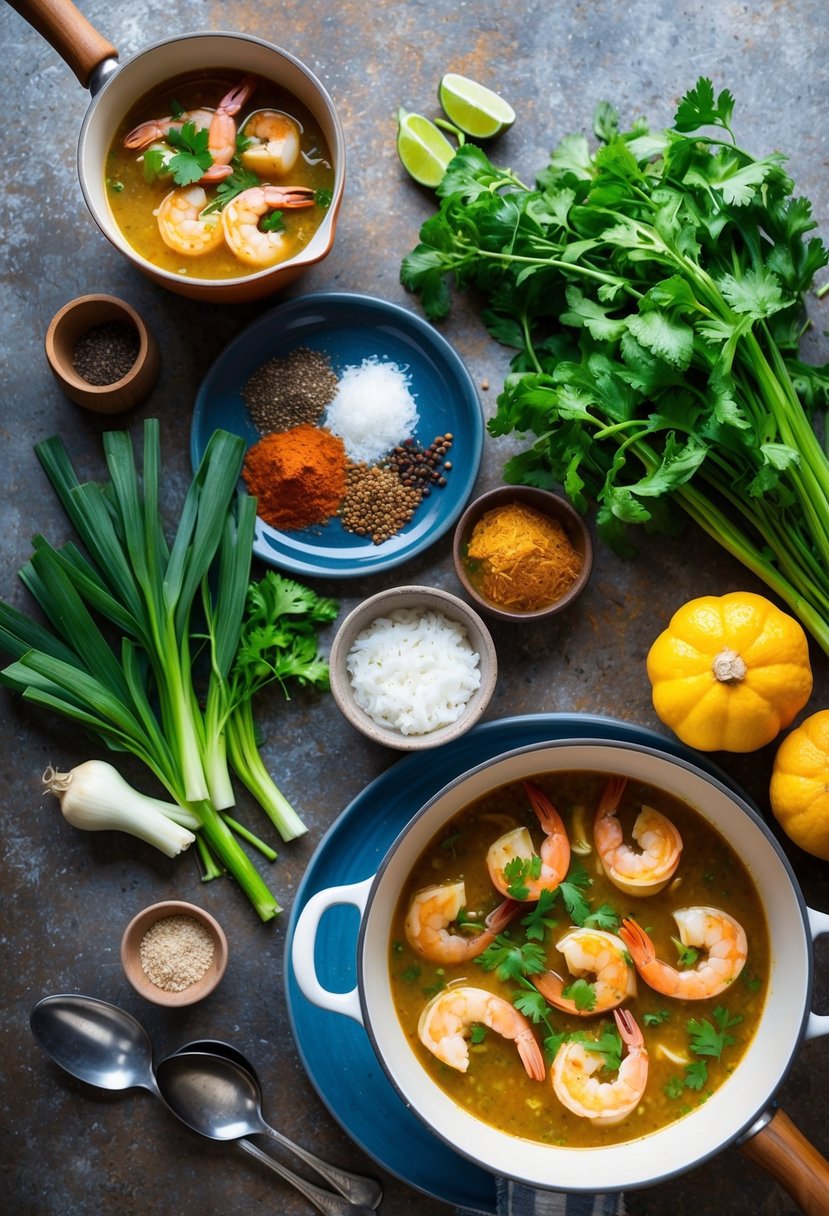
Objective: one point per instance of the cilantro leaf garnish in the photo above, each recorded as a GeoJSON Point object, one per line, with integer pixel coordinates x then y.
{"type": "Point", "coordinates": [538, 920]}
{"type": "Point", "coordinates": [477, 1032]}
{"type": "Point", "coordinates": [192, 156]}
{"type": "Point", "coordinates": [323, 198]}
{"type": "Point", "coordinates": [511, 960]}
{"type": "Point", "coordinates": [708, 1039]}
{"type": "Point", "coordinates": [656, 1018]}
{"type": "Point", "coordinates": [608, 1045]}
{"type": "Point", "coordinates": [686, 956]}
{"type": "Point", "coordinates": [240, 179]}
{"type": "Point", "coordinates": [274, 221]}
{"type": "Point", "coordinates": [582, 993]}
{"type": "Point", "coordinates": [519, 872]}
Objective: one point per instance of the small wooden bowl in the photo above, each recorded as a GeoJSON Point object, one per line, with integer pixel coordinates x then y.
{"type": "Point", "coordinates": [131, 956]}
{"type": "Point", "coordinates": [548, 504]}
{"type": "Point", "coordinates": [77, 318]}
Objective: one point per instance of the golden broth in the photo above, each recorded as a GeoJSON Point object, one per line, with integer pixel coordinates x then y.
{"type": "Point", "coordinates": [134, 201]}
{"type": "Point", "coordinates": [496, 1087]}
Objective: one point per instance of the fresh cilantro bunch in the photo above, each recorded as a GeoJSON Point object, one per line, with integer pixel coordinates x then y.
{"type": "Point", "coordinates": [278, 643]}
{"type": "Point", "coordinates": [653, 289]}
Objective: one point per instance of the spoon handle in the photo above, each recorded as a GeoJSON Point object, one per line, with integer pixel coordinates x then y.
{"type": "Point", "coordinates": [354, 1186]}
{"type": "Point", "coordinates": [331, 1205]}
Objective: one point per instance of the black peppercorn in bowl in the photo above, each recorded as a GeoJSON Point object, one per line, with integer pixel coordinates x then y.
{"type": "Point", "coordinates": [102, 354]}
{"type": "Point", "coordinates": [174, 953]}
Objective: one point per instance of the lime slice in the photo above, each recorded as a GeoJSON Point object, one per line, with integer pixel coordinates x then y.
{"type": "Point", "coordinates": [473, 107]}
{"type": "Point", "coordinates": [424, 150]}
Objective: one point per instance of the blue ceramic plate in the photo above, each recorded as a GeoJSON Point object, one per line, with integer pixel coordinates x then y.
{"type": "Point", "coordinates": [350, 328]}
{"type": "Point", "coordinates": [334, 1049]}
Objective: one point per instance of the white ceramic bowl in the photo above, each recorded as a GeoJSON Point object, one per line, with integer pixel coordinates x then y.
{"type": "Point", "coordinates": [739, 1105]}
{"type": "Point", "coordinates": [427, 598]}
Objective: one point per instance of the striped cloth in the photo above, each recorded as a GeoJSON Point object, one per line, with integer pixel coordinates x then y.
{"type": "Point", "coordinates": [514, 1199]}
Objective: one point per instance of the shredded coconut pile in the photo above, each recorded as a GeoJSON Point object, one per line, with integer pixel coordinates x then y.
{"type": "Point", "coordinates": [373, 410]}
{"type": "Point", "coordinates": [413, 670]}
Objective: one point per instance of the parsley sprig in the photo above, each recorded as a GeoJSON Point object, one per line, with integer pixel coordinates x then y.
{"type": "Point", "coordinates": [653, 289]}
{"type": "Point", "coordinates": [707, 1039]}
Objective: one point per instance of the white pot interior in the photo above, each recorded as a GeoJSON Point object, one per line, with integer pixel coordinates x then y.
{"type": "Point", "coordinates": [197, 52]}
{"type": "Point", "coordinates": [732, 1108]}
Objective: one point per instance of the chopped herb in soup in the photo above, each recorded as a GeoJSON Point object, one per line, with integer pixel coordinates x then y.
{"type": "Point", "coordinates": [217, 177]}
{"type": "Point", "coordinates": [579, 960]}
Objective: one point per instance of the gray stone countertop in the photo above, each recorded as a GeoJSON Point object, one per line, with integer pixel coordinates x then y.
{"type": "Point", "coordinates": [68, 1150]}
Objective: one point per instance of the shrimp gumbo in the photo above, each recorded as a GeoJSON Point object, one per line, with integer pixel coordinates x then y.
{"type": "Point", "coordinates": [579, 960]}
{"type": "Point", "coordinates": [214, 177]}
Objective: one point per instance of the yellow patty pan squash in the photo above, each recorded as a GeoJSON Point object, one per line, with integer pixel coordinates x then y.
{"type": "Point", "coordinates": [729, 672]}
{"type": "Point", "coordinates": [799, 790]}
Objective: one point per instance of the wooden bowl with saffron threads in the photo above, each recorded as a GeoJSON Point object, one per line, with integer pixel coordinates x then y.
{"type": "Point", "coordinates": [548, 504]}
{"type": "Point", "coordinates": [134, 967]}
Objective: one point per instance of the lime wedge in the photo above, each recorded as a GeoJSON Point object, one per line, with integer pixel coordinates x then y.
{"type": "Point", "coordinates": [424, 150]}
{"type": "Point", "coordinates": [474, 108]}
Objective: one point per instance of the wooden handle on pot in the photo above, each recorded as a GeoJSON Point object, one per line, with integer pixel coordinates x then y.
{"type": "Point", "coordinates": [67, 30]}
{"type": "Point", "coordinates": [786, 1154]}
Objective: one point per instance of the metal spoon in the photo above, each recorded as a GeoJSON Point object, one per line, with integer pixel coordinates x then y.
{"type": "Point", "coordinates": [215, 1096]}
{"type": "Point", "coordinates": [216, 1047]}
{"type": "Point", "coordinates": [95, 1041]}
{"type": "Point", "coordinates": [107, 1047]}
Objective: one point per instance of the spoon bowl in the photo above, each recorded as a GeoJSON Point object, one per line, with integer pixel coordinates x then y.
{"type": "Point", "coordinates": [217, 1097]}
{"type": "Point", "coordinates": [94, 1041]}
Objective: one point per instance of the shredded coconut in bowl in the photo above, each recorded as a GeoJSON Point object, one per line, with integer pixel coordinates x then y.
{"type": "Point", "coordinates": [413, 670]}
{"type": "Point", "coordinates": [373, 410]}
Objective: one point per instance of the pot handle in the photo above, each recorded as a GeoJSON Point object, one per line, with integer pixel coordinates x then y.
{"type": "Point", "coordinates": [67, 30]}
{"type": "Point", "coordinates": [305, 936]}
{"type": "Point", "coordinates": [792, 1161]}
{"type": "Point", "coordinates": [817, 1025]}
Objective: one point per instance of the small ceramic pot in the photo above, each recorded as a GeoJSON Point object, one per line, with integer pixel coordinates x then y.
{"type": "Point", "coordinates": [549, 504]}
{"type": "Point", "coordinates": [430, 599]}
{"type": "Point", "coordinates": [116, 88]}
{"type": "Point", "coordinates": [75, 320]}
{"type": "Point", "coordinates": [740, 1110]}
{"type": "Point", "coordinates": [134, 969]}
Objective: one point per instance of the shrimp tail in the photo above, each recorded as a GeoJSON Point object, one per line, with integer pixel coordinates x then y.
{"type": "Point", "coordinates": [628, 1028]}
{"type": "Point", "coordinates": [236, 97]}
{"type": "Point", "coordinates": [531, 1055]}
{"type": "Point", "coordinates": [546, 813]}
{"type": "Point", "coordinates": [638, 943]}
{"type": "Point", "coordinates": [498, 919]}
{"type": "Point", "coordinates": [611, 797]}
{"type": "Point", "coordinates": [551, 985]}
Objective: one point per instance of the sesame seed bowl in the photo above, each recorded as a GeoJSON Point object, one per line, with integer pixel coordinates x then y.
{"type": "Point", "coordinates": [351, 331]}
{"type": "Point", "coordinates": [174, 953]}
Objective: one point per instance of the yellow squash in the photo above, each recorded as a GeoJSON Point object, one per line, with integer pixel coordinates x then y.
{"type": "Point", "coordinates": [799, 790]}
{"type": "Point", "coordinates": [729, 672]}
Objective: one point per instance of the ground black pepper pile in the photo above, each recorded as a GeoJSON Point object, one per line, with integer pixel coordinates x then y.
{"type": "Point", "coordinates": [106, 352]}
{"type": "Point", "coordinates": [288, 391]}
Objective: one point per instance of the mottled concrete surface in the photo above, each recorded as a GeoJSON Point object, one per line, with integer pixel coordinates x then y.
{"type": "Point", "coordinates": [66, 897]}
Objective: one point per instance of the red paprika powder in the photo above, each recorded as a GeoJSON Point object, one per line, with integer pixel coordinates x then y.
{"type": "Point", "coordinates": [298, 476]}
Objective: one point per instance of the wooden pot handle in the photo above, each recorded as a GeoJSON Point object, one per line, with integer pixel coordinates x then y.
{"type": "Point", "coordinates": [67, 30]}
{"type": "Point", "coordinates": [786, 1154]}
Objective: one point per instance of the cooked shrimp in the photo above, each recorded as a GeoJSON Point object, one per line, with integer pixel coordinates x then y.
{"type": "Point", "coordinates": [241, 216]}
{"type": "Point", "coordinates": [708, 929]}
{"type": "Point", "coordinates": [605, 1102]}
{"type": "Point", "coordinates": [446, 1023]}
{"type": "Point", "coordinates": [554, 853]}
{"type": "Point", "coordinates": [591, 952]}
{"type": "Point", "coordinates": [182, 225]}
{"type": "Point", "coordinates": [434, 909]}
{"type": "Point", "coordinates": [221, 138]}
{"type": "Point", "coordinates": [642, 872]}
{"type": "Point", "coordinates": [275, 149]}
